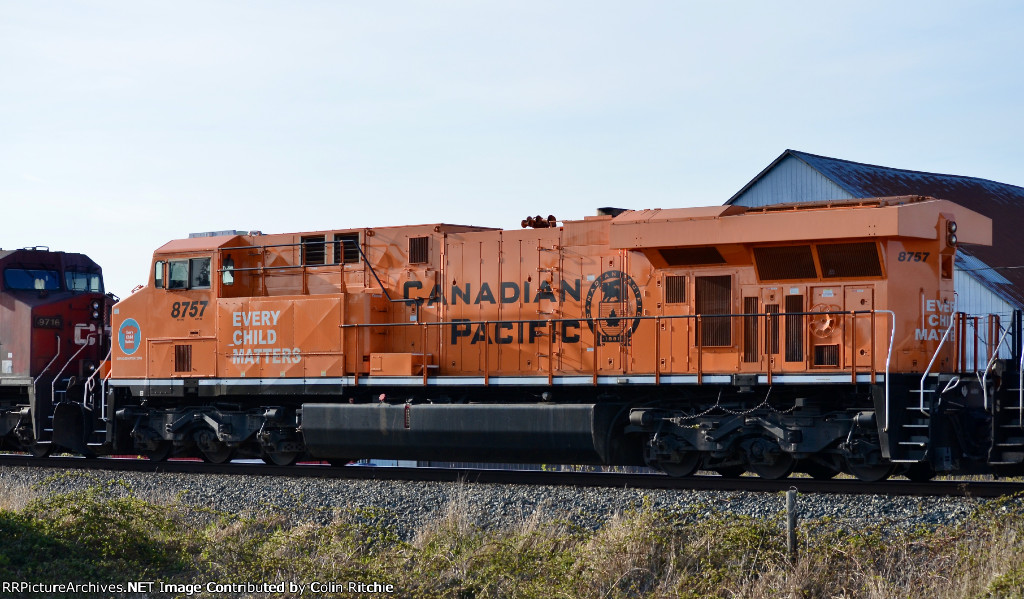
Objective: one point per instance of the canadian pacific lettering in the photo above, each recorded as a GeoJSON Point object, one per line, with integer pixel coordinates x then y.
{"type": "Point", "coordinates": [509, 292]}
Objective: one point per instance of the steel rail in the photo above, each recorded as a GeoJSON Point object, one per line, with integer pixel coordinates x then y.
{"type": "Point", "coordinates": [940, 488]}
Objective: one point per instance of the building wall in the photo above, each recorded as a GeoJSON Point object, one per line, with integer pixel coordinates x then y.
{"type": "Point", "coordinates": [792, 180]}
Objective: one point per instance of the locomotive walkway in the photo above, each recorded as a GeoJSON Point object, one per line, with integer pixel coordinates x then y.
{"type": "Point", "coordinates": [951, 488]}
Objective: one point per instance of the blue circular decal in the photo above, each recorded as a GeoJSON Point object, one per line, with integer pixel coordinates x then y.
{"type": "Point", "coordinates": [129, 336]}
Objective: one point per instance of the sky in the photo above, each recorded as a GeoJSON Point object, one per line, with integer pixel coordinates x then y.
{"type": "Point", "coordinates": [125, 124]}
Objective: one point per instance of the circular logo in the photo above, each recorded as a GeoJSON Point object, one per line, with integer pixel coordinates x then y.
{"type": "Point", "coordinates": [129, 336]}
{"type": "Point", "coordinates": [613, 307]}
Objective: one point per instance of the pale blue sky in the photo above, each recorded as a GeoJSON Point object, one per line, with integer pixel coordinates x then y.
{"type": "Point", "coordinates": [124, 124]}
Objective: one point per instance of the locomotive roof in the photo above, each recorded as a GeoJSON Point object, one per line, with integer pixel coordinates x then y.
{"type": "Point", "coordinates": [66, 258]}
{"type": "Point", "coordinates": [904, 216]}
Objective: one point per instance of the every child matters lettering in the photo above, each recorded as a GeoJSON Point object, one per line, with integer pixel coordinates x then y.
{"type": "Point", "coordinates": [256, 333]}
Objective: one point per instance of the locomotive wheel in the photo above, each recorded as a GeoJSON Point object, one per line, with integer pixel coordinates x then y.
{"type": "Point", "coordinates": [731, 471]}
{"type": "Point", "coordinates": [870, 474]}
{"type": "Point", "coordinates": [161, 453]}
{"type": "Point", "coordinates": [211, 449]}
{"type": "Point", "coordinates": [780, 468]}
{"type": "Point", "coordinates": [686, 466]}
{"type": "Point", "coordinates": [280, 458]}
{"type": "Point", "coordinates": [219, 455]}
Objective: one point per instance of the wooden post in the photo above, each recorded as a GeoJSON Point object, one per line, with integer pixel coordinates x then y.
{"type": "Point", "coordinates": [791, 522]}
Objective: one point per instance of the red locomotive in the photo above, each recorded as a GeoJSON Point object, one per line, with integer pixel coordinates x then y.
{"type": "Point", "coordinates": [53, 339]}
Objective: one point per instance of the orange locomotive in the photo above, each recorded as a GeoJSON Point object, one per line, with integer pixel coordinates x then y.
{"type": "Point", "coordinates": [724, 338]}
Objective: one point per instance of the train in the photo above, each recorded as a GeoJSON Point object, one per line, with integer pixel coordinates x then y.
{"type": "Point", "coordinates": [816, 337]}
{"type": "Point", "coordinates": [54, 340]}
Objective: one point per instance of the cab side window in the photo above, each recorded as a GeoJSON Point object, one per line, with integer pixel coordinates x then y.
{"type": "Point", "coordinates": [158, 274]}
{"type": "Point", "coordinates": [177, 275]}
{"type": "Point", "coordinates": [200, 270]}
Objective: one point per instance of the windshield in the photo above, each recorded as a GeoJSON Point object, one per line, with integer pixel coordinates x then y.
{"type": "Point", "coordinates": [31, 278]}
{"type": "Point", "coordinates": [83, 281]}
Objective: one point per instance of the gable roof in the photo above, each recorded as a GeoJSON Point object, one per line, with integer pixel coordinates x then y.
{"type": "Point", "coordinates": [1002, 270]}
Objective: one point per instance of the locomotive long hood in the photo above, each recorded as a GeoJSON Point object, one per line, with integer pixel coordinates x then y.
{"type": "Point", "coordinates": [905, 216]}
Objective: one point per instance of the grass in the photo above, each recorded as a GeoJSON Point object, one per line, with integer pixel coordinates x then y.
{"type": "Point", "coordinates": [106, 534]}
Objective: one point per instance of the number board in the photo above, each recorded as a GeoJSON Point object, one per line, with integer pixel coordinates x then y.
{"type": "Point", "coordinates": [48, 322]}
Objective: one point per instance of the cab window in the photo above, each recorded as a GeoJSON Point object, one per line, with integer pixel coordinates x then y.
{"type": "Point", "coordinates": [32, 278]}
{"type": "Point", "coordinates": [76, 280]}
{"type": "Point", "coordinates": [177, 274]}
{"type": "Point", "coordinates": [193, 273]}
{"type": "Point", "coordinates": [158, 274]}
{"type": "Point", "coordinates": [199, 269]}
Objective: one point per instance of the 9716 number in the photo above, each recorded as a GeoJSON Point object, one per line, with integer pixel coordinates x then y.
{"type": "Point", "coordinates": [192, 309]}
{"type": "Point", "coordinates": [913, 256]}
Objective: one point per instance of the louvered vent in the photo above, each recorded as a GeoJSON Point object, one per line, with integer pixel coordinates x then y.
{"type": "Point", "coordinates": [419, 250]}
{"type": "Point", "coordinates": [313, 250]}
{"type": "Point", "coordinates": [826, 355]}
{"type": "Point", "coordinates": [794, 329]}
{"type": "Point", "coordinates": [182, 358]}
{"type": "Point", "coordinates": [699, 256]}
{"type": "Point", "coordinates": [346, 248]}
{"type": "Point", "coordinates": [675, 290]}
{"type": "Point", "coordinates": [849, 260]}
{"type": "Point", "coordinates": [750, 329]}
{"type": "Point", "coordinates": [713, 296]}
{"type": "Point", "coordinates": [783, 263]}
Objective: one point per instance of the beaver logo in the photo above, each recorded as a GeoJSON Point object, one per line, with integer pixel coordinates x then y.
{"type": "Point", "coordinates": [618, 307]}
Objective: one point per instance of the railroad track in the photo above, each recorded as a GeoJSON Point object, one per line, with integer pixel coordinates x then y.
{"type": "Point", "coordinates": [955, 488]}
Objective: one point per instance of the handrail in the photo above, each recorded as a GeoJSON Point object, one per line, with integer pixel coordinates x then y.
{"type": "Point", "coordinates": [53, 383]}
{"type": "Point", "coordinates": [550, 323]}
{"type": "Point", "coordinates": [983, 378]}
{"type": "Point", "coordinates": [358, 247]}
{"type": "Point", "coordinates": [1020, 383]}
{"type": "Point", "coordinates": [888, 357]}
{"type": "Point", "coordinates": [927, 370]}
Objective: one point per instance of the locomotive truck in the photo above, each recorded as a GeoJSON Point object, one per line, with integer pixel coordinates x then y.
{"type": "Point", "coordinates": [821, 338]}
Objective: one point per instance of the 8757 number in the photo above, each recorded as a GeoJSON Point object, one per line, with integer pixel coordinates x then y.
{"type": "Point", "coordinates": [913, 256]}
{"type": "Point", "coordinates": [192, 309]}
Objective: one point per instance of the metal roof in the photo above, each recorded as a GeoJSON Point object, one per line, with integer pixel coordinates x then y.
{"type": "Point", "coordinates": [1001, 267]}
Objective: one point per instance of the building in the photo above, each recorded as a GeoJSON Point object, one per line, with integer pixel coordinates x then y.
{"type": "Point", "coordinates": [988, 280]}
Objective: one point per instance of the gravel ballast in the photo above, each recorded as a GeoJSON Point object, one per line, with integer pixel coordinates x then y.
{"type": "Point", "coordinates": [411, 505]}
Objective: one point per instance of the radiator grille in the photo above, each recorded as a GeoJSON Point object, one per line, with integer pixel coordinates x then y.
{"type": "Point", "coordinates": [787, 262]}
{"type": "Point", "coordinates": [849, 260]}
{"type": "Point", "coordinates": [826, 355]}
{"type": "Point", "coordinates": [713, 296]}
{"type": "Point", "coordinates": [675, 290]}
{"type": "Point", "coordinates": [182, 358]}
{"type": "Point", "coordinates": [419, 250]}
{"type": "Point", "coordinates": [794, 329]}
{"type": "Point", "coordinates": [750, 329]}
